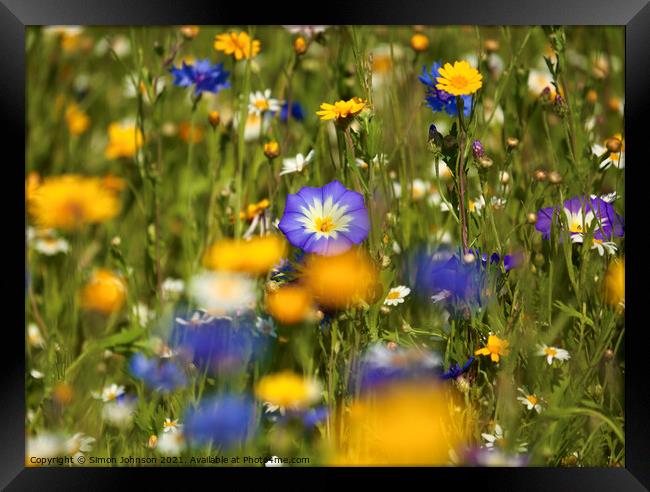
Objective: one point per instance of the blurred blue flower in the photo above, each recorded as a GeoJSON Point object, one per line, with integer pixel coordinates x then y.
{"type": "Point", "coordinates": [455, 370]}
{"type": "Point", "coordinates": [222, 421]}
{"type": "Point", "coordinates": [296, 112]}
{"type": "Point", "coordinates": [443, 275]}
{"type": "Point", "coordinates": [157, 374]}
{"type": "Point", "coordinates": [203, 75]}
{"type": "Point", "coordinates": [215, 344]}
{"type": "Point", "coordinates": [309, 417]}
{"type": "Point", "coordinates": [439, 100]}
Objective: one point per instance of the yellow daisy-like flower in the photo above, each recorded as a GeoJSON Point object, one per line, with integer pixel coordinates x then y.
{"type": "Point", "coordinates": [238, 45]}
{"type": "Point", "coordinates": [71, 201]}
{"type": "Point", "coordinates": [78, 121]}
{"type": "Point", "coordinates": [495, 348]}
{"type": "Point", "coordinates": [341, 111]}
{"type": "Point", "coordinates": [287, 389]}
{"type": "Point", "coordinates": [615, 284]}
{"type": "Point", "coordinates": [255, 257]}
{"type": "Point", "coordinates": [290, 304]}
{"type": "Point", "coordinates": [123, 141]}
{"type": "Point", "coordinates": [105, 292]}
{"type": "Point", "coordinates": [460, 79]}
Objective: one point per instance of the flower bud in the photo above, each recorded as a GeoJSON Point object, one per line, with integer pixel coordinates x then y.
{"type": "Point", "coordinates": [554, 177]}
{"type": "Point", "coordinates": [419, 42]}
{"type": "Point", "coordinates": [512, 142]}
{"type": "Point", "coordinates": [491, 45]}
{"type": "Point", "coordinates": [271, 149]}
{"type": "Point", "coordinates": [559, 106]}
{"type": "Point", "coordinates": [153, 441]}
{"type": "Point", "coordinates": [485, 162]}
{"type": "Point", "coordinates": [300, 45]}
{"type": "Point", "coordinates": [613, 144]}
{"type": "Point", "coordinates": [189, 32]}
{"type": "Point", "coordinates": [531, 218]}
{"type": "Point", "coordinates": [504, 177]}
{"type": "Point", "coordinates": [540, 175]}
{"type": "Point", "coordinates": [214, 118]}
{"type": "Point", "coordinates": [608, 355]}
{"type": "Point", "coordinates": [477, 149]}
{"type": "Point", "coordinates": [462, 384]}
{"type": "Point", "coordinates": [592, 96]}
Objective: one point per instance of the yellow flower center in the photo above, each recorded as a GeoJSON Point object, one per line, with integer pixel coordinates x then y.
{"type": "Point", "coordinates": [262, 104]}
{"type": "Point", "coordinates": [532, 399]}
{"type": "Point", "coordinates": [393, 295]}
{"type": "Point", "coordinates": [575, 227]}
{"type": "Point", "coordinates": [550, 351]}
{"type": "Point", "coordinates": [459, 81]}
{"type": "Point", "coordinates": [324, 224]}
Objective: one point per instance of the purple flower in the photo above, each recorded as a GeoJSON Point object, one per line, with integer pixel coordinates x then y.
{"type": "Point", "coordinates": [203, 75]}
{"type": "Point", "coordinates": [580, 214]}
{"type": "Point", "coordinates": [296, 112]}
{"type": "Point", "coordinates": [439, 100]}
{"type": "Point", "coordinates": [221, 421]}
{"type": "Point", "coordinates": [455, 370]}
{"type": "Point", "coordinates": [477, 149]}
{"type": "Point", "coordinates": [327, 220]}
{"type": "Point", "coordinates": [158, 375]}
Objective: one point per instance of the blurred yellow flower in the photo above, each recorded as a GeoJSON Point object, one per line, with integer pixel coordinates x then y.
{"type": "Point", "coordinates": [124, 140]}
{"type": "Point", "coordinates": [271, 149]}
{"type": "Point", "coordinates": [419, 42]}
{"type": "Point", "coordinates": [615, 284]}
{"type": "Point", "coordinates": [255, 209]}
{"type": "Point", "coordinates": [341, 280]}
{"type": "Point", "coordinates": [32, 183]}
{"type": "Point", "coordinates": [288, 390]}
{"type": "Point", "coordinates": [341, 111]}
{"type": "Point", "coordinates": [406, 424]}
{"type": "Point", "coordinates": [256, 256]}
{"type": "Point", "coordinates": [460, 79]}
{"type": "Point", "coordinates": [189, 32]}
{"type": "Point", "coordinates": [495, 348]}
{"type": "Point", "coordinates": [185, 129]}
{"type": "Point", "coordinates": [71, 201]}
{"type": "Point", "coordinates": [290, 304]}
{"type": "Point", "coordinates": [78, 121]}
{"type": "Point", "coordinates": [239, 45]}
{"type": "Point", "coordinates": [105, 292]}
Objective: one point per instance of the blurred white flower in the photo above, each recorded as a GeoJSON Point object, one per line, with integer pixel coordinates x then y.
{"type": "Point", "coordinates": [223, 293]}
{"type": "Point", "coordinates": [171, 443]}
{"type": "Point", "coordinates": [296, 164]}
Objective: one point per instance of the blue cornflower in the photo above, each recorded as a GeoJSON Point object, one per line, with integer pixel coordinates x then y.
{"type": "Point", "coordinates": [296, 113]}
{"type": "Point", "coordinates": [203, 75]}
{"type": "Point", "coordinates": [455, 370]}
{"type": "Point", "coordinates": [221, 421]}
{"type": "Point", "coordinates": [439, 100]}
{"type": "Point", "coordinates": [158, 375]}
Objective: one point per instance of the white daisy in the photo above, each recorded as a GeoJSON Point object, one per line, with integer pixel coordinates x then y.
{"type": "Point", "coordinates": [296, 164]}
{"type": "Point", "coordinates": [79, 443]}
{"type": "Point", "coordinates": [172, 288]}
{"type": "Point", "coordinates": [109, 393]}
{"type": "Point", "coordinates": [396, 295]}
{"type": "Point", "coordinates": [477, 205]}
{"type": "Point", "coordinates": [170, 443]}
{"type": "Point", "coordinates": [538, 80]}
{"type": "Point", "coordinates": [604, 246]}
{"type": "Point", "coordinates": [552, 353]}
{"type": "Point", "coordinates": [616, 159]}
{"type": "Point", "coordinates": [170, 425]}
{"type": "Point", "coordinates": [262, 102]}
{"type": "Point", "coordinates": [443, 170]}
{"type": "Point", "coordinates": [34, 337]}
{"type": "Point", "coordinates": [51, 246]}
{"type": "Point", "coordinates": [498, 439]}
{"type": "Point", "coordinates": [223, 292]}
{"type": "Point", "coordinates": [530, 400]}
{"type": "Point", "coordinates": [119, 413]}
{"type": "Point", "coordinates": [36, 374]}
{"type": "Point", "coordinates": [610, 197]}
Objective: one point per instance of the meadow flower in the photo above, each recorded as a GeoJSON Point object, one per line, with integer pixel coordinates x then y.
{"type": "Point", "coordinates": [71, 201]}
{"type": "Point", "coordinates": [476, 205]}
{"type": "Point", "coordinates": [262, 102]}
{"type": "Point", "coordinates": [498, 440]}
{"type": "Point", "coordinates": [43, 445]}
{"type": "Point", "coordinates": [238, 45]}
{"type": "Point", "coordinates": [552, 353]}
{"type": "Point", "coordinates": [77, 120]}
{"type": "Point", "coordinates": [34, 337]}
{"type": "Point", "coordinates": [396, 295]}
{"type": "Point", "coordinates": [212, 343]}
{"type": "Point", "coordinates": [296, 164]}
{"type": "Point", "coordinates": [119, 413]}
{"type": "Point", "coordinates": [78, 444]}
{"type": "Point", "coordinates": [455, 371]}
{"type": "Point", "coordinates": [222, 292]}
{"type": "Point", "coordinates": [124, 140]}
{"type": "Point", "coordinates": [495, 348]}
{"type": "Point", "coordinates": [341, 111]}
{"type": "Point", "coordinates": [579, 213]}
{"type": "Point", "coordinates": [615, 159]}
{"type": "Point", "coordinates": [170, 443]}
{"type": "Point", "coordinates": [256, 256]}
{"type": "Point", "coordinates": [439, 99]}
{"type": "Point", "coordinates": [51, 246]}
{"type": "Point", "coordinates": [310, 31]}
{"type": "Point", "coordinates": [172, 288]}
{"type": "Point", "coordinates": [221, 421]}
{"type": "Point", "coordinates": [419, 42]}
{"type": "Point", "coordinates": [290, 304]}
{"type": "Point", "coordinates": [288, 390]}
{"type": "Point", "coordinates": [158, 375]}
{"type": "Point", "coordinates": [295, 112]}
{"type": "Point", "coordinates": [614, 285]}
{"type": "Point", "coordinates": [109, 393]}
{"type": "Point", "coordinates": [170, 425]}
{"type": "Point", "coordinates": [530, 400]}
{"type": "Point", "coordinates": [203, 75]}
{"type": "Point", "coordinates": [540, 80]}
{"type": "Point", "coordinates": [460, 79]}
{"type": "Point", "coordinates": [325, 221]}
{"type": "Point", "coordinates": [272, 149]}
{"type": "Point", "coordinates": [256, 125]}
{"type": "Point", "coordinates": [339, 281]}
{"type": "Point", "coordinates": [381, 365]}
{"type": "Point", "coordinates": [105, 292]}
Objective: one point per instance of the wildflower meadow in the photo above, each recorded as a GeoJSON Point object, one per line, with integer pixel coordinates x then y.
{"type": "Point", "coordinates": [325, 246]}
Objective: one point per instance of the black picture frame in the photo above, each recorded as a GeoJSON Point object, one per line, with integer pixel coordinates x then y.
{"type": "Point", "coordinates": [15, 15]}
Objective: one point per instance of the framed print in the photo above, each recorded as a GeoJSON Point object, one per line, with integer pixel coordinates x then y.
{"type": "Point", "coordinates": [390, 244]}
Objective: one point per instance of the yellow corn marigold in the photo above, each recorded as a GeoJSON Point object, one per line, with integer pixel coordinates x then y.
{"type": "Point", "coordinates": [460, 79]}
{"type": "Point", "coordinates": [341, 111]}
{"type": "Point", "coordinates": [123, 141]}
{"type": "Point", "coordinates": [105, 292]}
{"type": "Point", "coordinates": [288, 390]}
{"type": "Point", "coordinates": [495, 348]}
{"type": "Point", "coordinates": [256, 256]}
{"type": "Point", "coordinates": [290, 304]}
{"type": "Point", "coordinates": [238, 45]}
{"type": "Point", "coordinates": [77, 121]}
